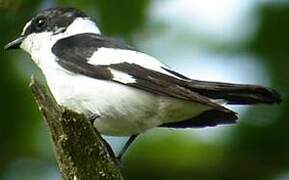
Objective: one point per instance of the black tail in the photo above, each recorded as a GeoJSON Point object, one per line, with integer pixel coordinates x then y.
{"type": "Point", "coordinates": [235, 93]}
{"type": "Point", "coordinates": [232, 94]}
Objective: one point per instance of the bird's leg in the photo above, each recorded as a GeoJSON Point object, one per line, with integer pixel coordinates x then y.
{"type": "Point", "coordinates": [93, 117]}
{"type": "Point", "coordinates": [126, 146]}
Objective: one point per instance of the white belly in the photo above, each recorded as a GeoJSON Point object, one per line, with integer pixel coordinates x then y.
{"type": "Point", "coordinates": [123, 110]}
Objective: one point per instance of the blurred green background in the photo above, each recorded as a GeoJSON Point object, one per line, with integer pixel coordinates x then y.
{"type": "Point", "coordinates": [243, 41]}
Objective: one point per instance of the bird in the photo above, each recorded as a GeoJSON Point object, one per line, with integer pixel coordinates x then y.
{"type": "Point", "coordinates": [120, 89]}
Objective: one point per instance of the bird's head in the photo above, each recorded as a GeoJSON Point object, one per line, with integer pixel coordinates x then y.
{"type": "Point", "coordinates": [50, 25]}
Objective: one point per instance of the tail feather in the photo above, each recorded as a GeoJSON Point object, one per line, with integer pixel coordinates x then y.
{"type": "Point", "coordinates": [235, 93]}
{"type": "Point", "coordinates": [224, 92]}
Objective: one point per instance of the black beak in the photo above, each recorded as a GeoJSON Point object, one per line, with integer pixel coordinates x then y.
{"type": "Point", "coordinates": [15, 44]}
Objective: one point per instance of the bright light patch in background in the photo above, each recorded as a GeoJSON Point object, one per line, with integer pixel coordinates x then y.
{"type": "Point", "coordinates": [226, 20]}
{"type": "Point", "coordinates": [284, 176]}
{"type": "Point", "coordinates": [219, 67]}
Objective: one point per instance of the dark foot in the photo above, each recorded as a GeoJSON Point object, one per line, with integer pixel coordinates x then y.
{"type": "Point", "coordinates": [92, 118]}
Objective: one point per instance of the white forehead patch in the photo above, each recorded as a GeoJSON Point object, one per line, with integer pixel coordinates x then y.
{"type": "Point", "coordinates": [82, 25]}
{"type": "Point", "coordinates": [26, 26]}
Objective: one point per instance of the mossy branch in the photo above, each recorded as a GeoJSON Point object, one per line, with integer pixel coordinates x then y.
{"type": "Point", "coordinates": [80, 151]}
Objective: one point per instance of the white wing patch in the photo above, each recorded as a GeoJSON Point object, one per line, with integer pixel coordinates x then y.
{"type": "Point", "coordinates": [107, 56]}
{"type": "Point", "coordinates": [121, 77]}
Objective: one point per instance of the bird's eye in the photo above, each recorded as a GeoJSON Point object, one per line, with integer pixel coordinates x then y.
{"type": "Point", "coordinates": [41, 24]}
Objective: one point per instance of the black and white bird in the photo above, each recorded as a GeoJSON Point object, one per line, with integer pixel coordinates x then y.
{"type": "Point", "coordinates": [124, 90]}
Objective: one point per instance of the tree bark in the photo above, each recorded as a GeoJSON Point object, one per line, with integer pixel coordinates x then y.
{"type": "Point", "coordinates": [80, 151]}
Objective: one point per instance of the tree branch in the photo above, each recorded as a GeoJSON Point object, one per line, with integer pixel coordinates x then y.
{"type": "Point", "coordinates": [80, 151]}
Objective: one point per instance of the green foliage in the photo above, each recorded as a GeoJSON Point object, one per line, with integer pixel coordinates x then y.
{"type": "Point", "coordinates": [18, 114]}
